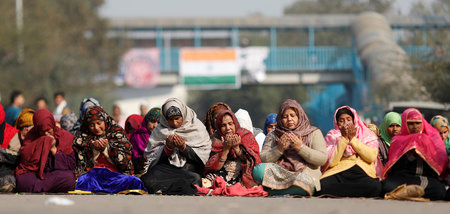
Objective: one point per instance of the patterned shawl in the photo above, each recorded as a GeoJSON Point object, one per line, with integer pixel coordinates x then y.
{"type": "Point", "coordinates": [290, 160]}
{"type": "Point", "coordinates": [192, 131]}
{"type": "Point", "coordinates": [7, 132]}
{"type": "Point", "coordinates": [271, 118]}
{"type": "Point", "coordinates": [213, 111]}
{"type": "Point", "coordinates": [427, 144]}
{"type": "Point", "coordinates": [248, 143]}
{"type": "Point", "coordinates": [36, 148]}
{"type": "Point", "coordinates": [119, 148]}
{"type": "Point", "coordinates": [364, 134]}
{"type": "Point", "coordinates": [389, 118]}
{"type": "Point", "coordinates": [440, 122]}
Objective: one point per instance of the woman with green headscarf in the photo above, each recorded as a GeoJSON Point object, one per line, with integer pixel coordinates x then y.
{"type": "Point", "coordinates": [390, 127]}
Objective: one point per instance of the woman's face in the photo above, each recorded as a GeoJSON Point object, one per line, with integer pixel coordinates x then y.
{"type": "Point", "coordinates": [444, 133]}
{"type": "Point", "coordinates": [271, 127]}
{"type": "Point", "coordinates": [415, 127]}
{"type": "Point", "coordinates": [24, 131]}
{"type": "Point", "coordinates": [151, 125]}
{"type": "Point", "coordinates": [227, 125]}
{"type": "Point", "coordinates": [289, 118]}
{"type": "Point", "coordinates": [97, 127]}
{"type": "Point", "coordinates": [345, 119]}
{"type": "Point", "coordinates": [393, 129]}
{"type": "Point", "coordinates": [47, 132]}
{"type": "Point", "coordinates": [175, 121]}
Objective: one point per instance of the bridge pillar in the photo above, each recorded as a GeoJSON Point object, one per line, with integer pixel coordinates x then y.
{"type": "Point", "coordinates": [197, 37]}
{"type": "Point", "coordinates": [235, 37]}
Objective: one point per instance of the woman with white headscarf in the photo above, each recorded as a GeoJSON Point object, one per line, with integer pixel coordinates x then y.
{"type": "Point", "coordinates": [177, 151]}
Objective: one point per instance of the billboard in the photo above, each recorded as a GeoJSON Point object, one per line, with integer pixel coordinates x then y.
{"type": "Point", "coordinates": [139, 68]}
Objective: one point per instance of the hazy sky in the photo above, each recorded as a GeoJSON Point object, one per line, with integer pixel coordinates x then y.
{"type": "Point", "coordinates": [207, 8]}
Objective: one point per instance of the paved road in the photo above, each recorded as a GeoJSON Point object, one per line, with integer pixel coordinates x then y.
{"type": "Point", "coordinates": [154, 204]}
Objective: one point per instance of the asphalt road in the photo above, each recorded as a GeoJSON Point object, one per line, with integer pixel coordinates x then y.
{"type": "Point", "coordinates": [155, 204]}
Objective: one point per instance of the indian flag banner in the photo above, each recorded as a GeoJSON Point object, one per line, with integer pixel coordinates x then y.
{"type": "Point", "coordinates": [210, 68]}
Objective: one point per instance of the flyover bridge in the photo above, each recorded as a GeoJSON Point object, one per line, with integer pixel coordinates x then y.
{"type": "Point", "coordinates": [336, 66]}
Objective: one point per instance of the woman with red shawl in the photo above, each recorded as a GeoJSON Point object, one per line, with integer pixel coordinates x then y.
{"type": "Point", "coordinates": [234, 154]}
{"type": "Point", "coordinates": [210, 117]}
{"type": "Point", "coordinates": [351, 169]}
{"type": "Point", "coordinates": [9, 153]}
{"type": "Point", "coordinates": [416, 156]}
{"type": "Point", "coordinates": [47, 160]}
{"type": "Point", "coordinates": [292, 154]}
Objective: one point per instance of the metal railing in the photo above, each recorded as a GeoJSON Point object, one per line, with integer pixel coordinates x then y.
{"type": "Point", "coordinates": [299, 58]}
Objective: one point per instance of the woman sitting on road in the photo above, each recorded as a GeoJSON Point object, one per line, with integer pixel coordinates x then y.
{"type": "Point", "coordinates": [292, 154]}
{"type": "Point", "coordinates": [352, 158]}
{"type": "Point", "coordinates": [47, 159]}
{"type": "Point", "coordinates": [417, 156]}
{"type": "Point", "coordinates": [234, 153]}
{"type": "Point", "coordinates": [104, 156]}
{"type": "Point", "coordinates": [177, 151]}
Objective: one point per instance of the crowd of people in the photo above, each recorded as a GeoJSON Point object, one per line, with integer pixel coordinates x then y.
{"type": "Point", "coordinates": [168, 150]}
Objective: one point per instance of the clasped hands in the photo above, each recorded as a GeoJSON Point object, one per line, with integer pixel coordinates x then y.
{"type": "Point", "coordinates": [231, 141]}
{"type": "Point", "coordinates": [348, 131]}
{"type": "Point", "coordinates": [289, 140]}
{"type": "Point", "coordinates": [99, 144]}
{"type": "Point", "coordinates": [175, 141]}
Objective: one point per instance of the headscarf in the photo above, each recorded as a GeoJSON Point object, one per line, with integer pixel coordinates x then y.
{"type": "Point", "coordinates": [427, 144]}
{"type": "Point", "coordinates": [132, 123]}
{"type": "Point", "coordinates": [244, 119]}
{"type": "Point", "coordinates": [36, 148]}
{"type": "Point", "coordinates": [139, 138]}
{"type": "Point", "coordinates": [440, 122]}
{"type": "Point", "coordinates": [374, 129]}
{"type": "Point", "coordinates": [7, 132]}
{"type": "Point", "coordinates": [389, 119]}
{"type": "Point", "coordinates": [290, 159]}
{"type": "Point", "coordinates": [271, 118]}
{"type": "Point", "coordinates": [68, 121]}
{"type": "Point", "coordinates": [363, 134]}
{"type": "Point", "coordinates": [85, 104]}
{"type": "Point", "coordinates": [248, 142]}
{"type": "Point", "coordinates": [24, 119]}
{"type": "Point", "coordinates": [209, 117]}
{"type": "Point", "coordinates": [119, 149]}
{"type": "Point", "coordinates": [153, 115]}
{"type": "Point", "coordinates": [192, 131]}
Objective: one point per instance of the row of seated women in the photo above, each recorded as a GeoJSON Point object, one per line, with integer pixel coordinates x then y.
{"type": "Point", "coordinates": [178, 154]}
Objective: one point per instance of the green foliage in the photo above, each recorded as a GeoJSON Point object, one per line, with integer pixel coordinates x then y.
{"type": "Point", "coordinates": [434, 74]}
{"type": "Point", "coordinates": [65, 49]}
{"type": "Point", "coordinates": [258, 100]}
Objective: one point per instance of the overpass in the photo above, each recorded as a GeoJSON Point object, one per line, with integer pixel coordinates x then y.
{"type": "Point", "coordinates": [337, 65]}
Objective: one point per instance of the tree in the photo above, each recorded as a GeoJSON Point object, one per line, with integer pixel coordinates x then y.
{"type": "Point", "coordinates": [433, 70]}
{"type": "Point", "coordinates": [65, 49]}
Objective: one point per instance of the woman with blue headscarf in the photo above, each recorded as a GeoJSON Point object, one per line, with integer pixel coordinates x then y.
{"type": "Point", "coordinates": [86, 103]}
{"type": "Point", "coordinates": [270, 123]}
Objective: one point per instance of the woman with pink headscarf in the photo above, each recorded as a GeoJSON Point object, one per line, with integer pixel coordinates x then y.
{"type": "Point", "coordinates": [352, 158]}
{"type": "Point", "coordinates": [416, 156]}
